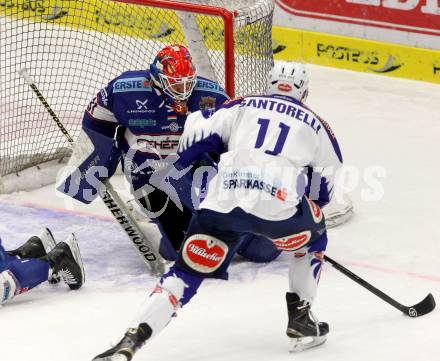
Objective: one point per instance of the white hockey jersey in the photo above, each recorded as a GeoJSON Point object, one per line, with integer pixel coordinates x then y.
{"type": "Point", "coordinates": [269, 145]}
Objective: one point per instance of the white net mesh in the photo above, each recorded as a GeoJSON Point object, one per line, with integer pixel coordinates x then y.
{"type": "Point", "coordinates": [73, 48]}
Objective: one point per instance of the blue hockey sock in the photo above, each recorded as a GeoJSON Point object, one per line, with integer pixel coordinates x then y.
{"type": "Point", "coordinates": [29, 272]}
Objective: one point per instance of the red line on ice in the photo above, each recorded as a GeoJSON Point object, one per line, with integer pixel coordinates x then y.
{"type": "Point", "coordinates": [391, 271]}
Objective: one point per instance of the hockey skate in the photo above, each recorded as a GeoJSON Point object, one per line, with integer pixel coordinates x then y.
{"type": "Point", "coordinates": [65, 259]}
{"type": "Point", "coordinates": [132, 341]}
{"type": "Point", "coordinates": [303, 328]}
{"type": "Point", "coordinates": [36, 246]}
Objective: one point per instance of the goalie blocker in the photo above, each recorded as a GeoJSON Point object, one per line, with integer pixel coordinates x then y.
{"type": "Point", "coordinates": [94, 159]}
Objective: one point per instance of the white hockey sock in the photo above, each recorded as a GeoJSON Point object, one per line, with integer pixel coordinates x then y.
{"type": "Point", "coordinates": [161, 305]}
{"type": "Point", "coordinates": [304, 272]}
{"type": "Point", "coordinates": [8, 286]}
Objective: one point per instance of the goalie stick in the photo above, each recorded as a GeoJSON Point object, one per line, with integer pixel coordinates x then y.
{"type": "Point", "coordinates": [110, 198]}
{"type": "Point", "coordinates": [422, 308]}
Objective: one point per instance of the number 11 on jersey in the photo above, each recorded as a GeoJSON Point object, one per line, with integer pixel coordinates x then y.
{"type": "Point", "coordinates": [264, 125]}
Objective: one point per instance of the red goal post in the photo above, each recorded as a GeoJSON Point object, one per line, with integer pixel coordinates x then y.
{"type": "Point", "coordinates": [73, 48]}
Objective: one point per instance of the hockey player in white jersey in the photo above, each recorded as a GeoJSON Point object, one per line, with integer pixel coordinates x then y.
{"type": "Point", "coordinates": [276, 156]}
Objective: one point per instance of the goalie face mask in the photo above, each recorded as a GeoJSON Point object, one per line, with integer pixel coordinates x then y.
{"type": "Point", "coordinates": [173, 71]}
{"type": "Point", "coordinates": [288, 78]}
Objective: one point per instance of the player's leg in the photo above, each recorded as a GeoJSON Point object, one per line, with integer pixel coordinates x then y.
{"type": "Point", "coordinates": [37, 247]}
{"type": "Point", "coordinates": [304, 273]}
{"type": "Point", "coordinates": [174, 289]}
{"type": "Point", "coordinates": [18, 275]}
{"type": "Point", "coordinates": [42, 245]}
{"type": "Point", "coordinates": [304, 235]}
{"type": "Point", "coordinates": [203, 255]}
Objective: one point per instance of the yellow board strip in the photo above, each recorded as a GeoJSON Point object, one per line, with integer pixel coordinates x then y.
{"type": "Point", "coordinates": [143, 22]}
{"type": "Point", "coordinates": [100, 15]}
{"type": "Point", "coordinates": [289, 44]}
{"type": "Point", "coordinates": [357, 54]}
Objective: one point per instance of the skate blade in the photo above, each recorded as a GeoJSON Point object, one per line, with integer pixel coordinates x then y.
{"type": "Point", "coordinates": [114, 357]}
{"type": "Point", "coordinates": [299, 344]}
{"type": "Point", "coordinates": [73, 244]}
{"type": "Point", "coordinates": [47, 240]}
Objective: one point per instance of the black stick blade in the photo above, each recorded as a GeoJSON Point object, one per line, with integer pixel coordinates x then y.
{"type": "Point", "coordinates": [422, 308]}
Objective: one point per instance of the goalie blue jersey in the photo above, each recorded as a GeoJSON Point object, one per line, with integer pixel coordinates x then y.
{"type": "Point", "coordinates": [133, 118]}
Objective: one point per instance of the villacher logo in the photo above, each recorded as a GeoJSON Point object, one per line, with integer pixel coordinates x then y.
{"type": "Point", "coordinates": [203, 253]}
{"type": "Point", "coordinates": [293, 242]}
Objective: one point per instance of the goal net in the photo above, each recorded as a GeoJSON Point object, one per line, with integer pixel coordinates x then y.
{"type": "Point", "coordinates": [73, 48]}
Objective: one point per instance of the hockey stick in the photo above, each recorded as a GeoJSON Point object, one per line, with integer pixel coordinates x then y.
{"type": "Point", "coordinates": [110, 198]}
{"type": "Point", "coordinates": [419, 309]}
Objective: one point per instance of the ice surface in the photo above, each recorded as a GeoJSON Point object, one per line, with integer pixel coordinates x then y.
{"type": "Point", "coordinates": [387, 128]}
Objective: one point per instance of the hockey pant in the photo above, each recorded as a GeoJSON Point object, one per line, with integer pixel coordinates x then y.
{"type": "Point", "coordinates": [20, 274]}
{"type": "Point", "coordinates": [168, 229]}
{"type": "Point", "coordinates": [166, 223]}
{"type": "Point", "coordinates": [209, 248]}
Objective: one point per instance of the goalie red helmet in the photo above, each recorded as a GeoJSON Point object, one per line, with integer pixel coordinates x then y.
{"type": "Point", "coordinates": [289, 78]}
{"type": "Point", "coordinates": [174, 72]}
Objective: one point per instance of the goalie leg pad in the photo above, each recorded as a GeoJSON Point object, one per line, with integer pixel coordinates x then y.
{"type": "Point", "coordinates": [153, 230]}
{"type": "Point", "coordinates": [338, 212]}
